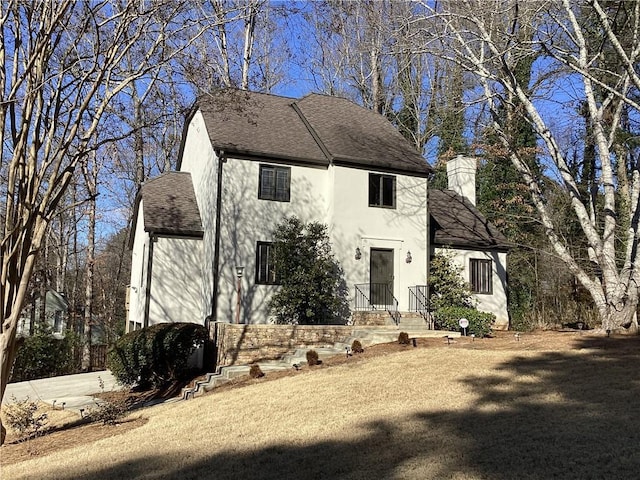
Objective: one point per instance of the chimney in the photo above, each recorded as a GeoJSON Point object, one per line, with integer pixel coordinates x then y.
{"type": "Point", "coordinates": [461, 177]}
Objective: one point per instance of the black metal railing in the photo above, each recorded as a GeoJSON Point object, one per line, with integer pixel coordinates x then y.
{"type": "Point", "coordinates": [362, 302]}
{"type": "Point", "coordinates": [419, 302]}
{"type": "Point", "coordinates": [377, 296]}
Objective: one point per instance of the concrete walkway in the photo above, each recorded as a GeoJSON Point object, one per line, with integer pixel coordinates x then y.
{"type": "Point", "coordinates": [74, 391]}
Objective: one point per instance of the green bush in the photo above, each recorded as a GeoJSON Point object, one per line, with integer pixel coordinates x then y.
{"type": "Point", "coordinates": [447, 318]}
{"type": "Point", "coordinates": [403, 338]}
{"type": "Point", "coordinates": [448, 288]}
{"type": "Point", "coordinates": [312, 288]}
{"type": "Point", "coordinates": [42, 355]}
{"type": "Point", "coordinates": [157, 355]}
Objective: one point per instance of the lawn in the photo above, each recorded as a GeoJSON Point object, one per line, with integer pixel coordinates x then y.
{"type": "Point", "coordinates": [496, 409]}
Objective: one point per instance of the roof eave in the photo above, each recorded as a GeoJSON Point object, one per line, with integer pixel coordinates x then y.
{"type": "Point", "coordinates": [134, 219]}
{"type": "Point", "coordinates": [255, 155]}
{"type": "Point", "coordinates": [175, 233]}
{"type": "Point", "coordinates": [462, 245]}
{"type": "Point", "coordinates": [363, 164]}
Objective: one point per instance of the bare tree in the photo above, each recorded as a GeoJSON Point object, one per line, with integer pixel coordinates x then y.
{"type": "Point", "coordinates": [488, 39]}
{"type": "Point", "coordinates": [225, 56]}
{"type": "Point", "coordinates": [90, 171]}
{"type": "Point", "coordinates": [61, 67]}
{"type": "Point", "coordinates": [367, 51]}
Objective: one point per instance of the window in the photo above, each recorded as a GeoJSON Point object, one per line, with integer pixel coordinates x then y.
{"type": "Point", "coordinates": [382, 190]}
{"type": "Point", "coordinates": [57, 321]}
{"type": "Point", "coordinates": [133, 326]}
{"type": "Point", "coordinates": [275, 183]}
{"type": "Point", "coordinates": [481, 276]}
{"type": "Point", "coordinates": [265, 269]}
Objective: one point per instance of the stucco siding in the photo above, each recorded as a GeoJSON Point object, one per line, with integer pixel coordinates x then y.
{"type": "Point", "coordinates": [357, 225]}
{"type": "Point", "coordinates": [199, 158]}
{"type": "Point", "coordinates": [496, 302]}
{"type": "Point", "coordinates": [176, 284]}
{"type": "Point", "coordinates": [246, 219]}
{"type": "Point", "coordinates": [137, 283]}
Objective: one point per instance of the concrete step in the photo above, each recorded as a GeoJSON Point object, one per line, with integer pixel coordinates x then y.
{"type": "Point", "coordinates": [366, 335]}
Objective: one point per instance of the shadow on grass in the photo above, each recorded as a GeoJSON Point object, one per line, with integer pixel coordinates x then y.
{"type": "Point", "coordinates": [552, 415]}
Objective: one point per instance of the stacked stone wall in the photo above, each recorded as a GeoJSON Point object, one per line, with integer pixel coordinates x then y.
{"type": "Point", "coordinates": [246, 344]}
{"type": "Point", "coordinates": [371, 319]}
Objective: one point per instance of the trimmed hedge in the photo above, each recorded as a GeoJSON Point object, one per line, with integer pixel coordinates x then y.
{"type": "Point", "coordinates": [157, 355]}
{"type": "Point", "coordinates": [447, 318]}
{"type": "Point", "coordinates": [42, 355]}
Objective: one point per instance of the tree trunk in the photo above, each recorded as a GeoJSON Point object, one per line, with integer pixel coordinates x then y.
{"type": "Point", "coordinates": [8, 349]}
{"type": "Point", "coordinates": [249, 29]}
{"type": "Point", "coordinates": [88, 293]}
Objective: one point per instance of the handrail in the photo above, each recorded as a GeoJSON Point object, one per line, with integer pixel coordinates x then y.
{"type": "Point", "coordinates": [419, 302]}
{"type": "Point", "coordinates": [374, 296]}
{"type": "Point", "coordinates": [362, 301]}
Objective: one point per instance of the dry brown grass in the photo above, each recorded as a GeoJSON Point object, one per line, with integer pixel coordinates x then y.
{"type": "Point", "coordinates": [495, 409]}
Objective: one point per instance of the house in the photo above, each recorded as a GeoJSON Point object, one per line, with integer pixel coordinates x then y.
{"type": "Point", "coordinates": [474, 244]}
{"type": "Point", "coordinates": [56, 313]}
{"type": "Point", "coordinates": [202, 235]}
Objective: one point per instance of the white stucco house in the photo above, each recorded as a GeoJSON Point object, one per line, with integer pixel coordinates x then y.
{"type": "Point", "coordinates": [247, 161]}
{"type": "Point", "coordinates": [474, 244]}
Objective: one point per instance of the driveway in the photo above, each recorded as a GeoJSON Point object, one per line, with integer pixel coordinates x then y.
{"type": "Point", "coordinates": [68, 391]}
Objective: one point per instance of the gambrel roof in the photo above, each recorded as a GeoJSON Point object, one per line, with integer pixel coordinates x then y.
{"type": "Point", "coordinates": [456, 222]}
{"type": "Point", "coordinates": [316, 130]}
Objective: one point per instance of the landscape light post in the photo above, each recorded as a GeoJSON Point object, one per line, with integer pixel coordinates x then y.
{"type": "Point", "coordinates": [239, 271]}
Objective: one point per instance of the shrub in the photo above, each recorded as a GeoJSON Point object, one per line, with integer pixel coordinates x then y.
{"type": "Point", "coordinates": [155, 356]}
{"type": "Point", "coordinates": [312, 290]}
{"type": "Point", "coordinates": [403, 338]}
{"type": "Point", "coordinates": [42, 355]}
{"type": "Point", "coordinates": [109, 413]}
{"type": "Point", "coordinates": [256, 372]}
{"type": "Point", "coordinates": [356, 347]}
{"type": "Point", "coordinates": [23, 417]}
{"type": "Point", "coordinates": [447, 318]}
{"type": "Point", "coordinates": [312, 358]}
{"type": "Point", "coordinates": [448, 288]}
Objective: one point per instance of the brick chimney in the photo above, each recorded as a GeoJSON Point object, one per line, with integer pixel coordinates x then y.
{"type": "Point", "coordinates": [461, 177]}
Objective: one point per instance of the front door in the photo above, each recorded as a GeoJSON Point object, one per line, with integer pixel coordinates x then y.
{"type": "Point", "coordinates": [381, 276]}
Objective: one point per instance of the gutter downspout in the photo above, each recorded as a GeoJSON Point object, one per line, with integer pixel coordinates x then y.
{"type": "Point", "coordinates": [429, 258]}
{"type": "Point", "coordinates": [147, 297]}
{"type": "Point", "coordinates": [222, 159]}
{"type": "Point", "coordinates": [211, 352]}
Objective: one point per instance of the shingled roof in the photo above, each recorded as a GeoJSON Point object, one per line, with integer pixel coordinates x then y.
{"type": "Point", "coordinates": [456, 222]}
{"type": "Point", "coordinates": [169, 206]}
{"type": "Point", "coordinates": [316, 130]}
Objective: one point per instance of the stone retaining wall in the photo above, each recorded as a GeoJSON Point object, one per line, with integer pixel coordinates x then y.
{"type": "Point", "coordinates": [246, 344]}
{"type": "Point", "coordinates": [371, 319]}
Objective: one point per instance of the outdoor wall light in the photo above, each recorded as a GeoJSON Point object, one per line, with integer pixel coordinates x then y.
{"type": "Point", "coordinates": [409, 259]}
{"type": "Point", "coordinates": [358, 253]}
{"type": "Point", "coordinates": [239, 271]}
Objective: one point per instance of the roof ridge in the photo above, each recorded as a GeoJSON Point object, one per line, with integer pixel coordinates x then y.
{"type": "Point", "coordinates": [215, 92]}
{"type": "Point", "coordinates": [312, 131]}
{"type": "Point", "coordinates": [162, 175]}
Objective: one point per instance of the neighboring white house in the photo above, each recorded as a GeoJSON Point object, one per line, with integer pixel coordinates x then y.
{"type": "Point", "coordinates": [248, 160]}
{"type": "Point", "coordinates": [56, 314]}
